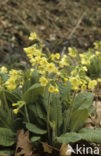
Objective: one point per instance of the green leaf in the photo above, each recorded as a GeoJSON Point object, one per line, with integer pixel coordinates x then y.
{"type": "Point", "coordinates": [64, 91]}
{"type": "Point", "coordinates": [91, 135]}
{"type": "Point", "coordinates": [4, 121]}
{"type": "Point", "coordinates": [38, 113]}
{"type": "Point", "coordinates": [56, 111]}
{"type": "Point", "coordinates": [9, 152]}
{"type": "Point", "coordinates": [78, 118]}
{"type": "Point", "coordinates": [33, 87]}
{"type": "Point", "coordinates": [32, 93]}
{"type": "Point", "coordinates": [34, 139]}
{"type": "Point", "coordinates": [12, 97]}
{"type": "Point", "coordinates": [83, 101]}
{"type": "Point", "coordinates": [41, 112]}
{"type": "Point", "coordinates": [69, 138]}
{"type": "Point", "coordinates": [33, 128]}
{"type": "Point", "coordinates": [6, 137]}
{"type": "Point", "coordinates": [35, 77]}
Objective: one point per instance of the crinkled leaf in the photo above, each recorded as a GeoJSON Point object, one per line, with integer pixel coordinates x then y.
{"type": "Point", "coordinates": [78, 118]}
{"type": "Point", "coordinates": [64, 91]}
{"type": "Point", "coordinates": [91, 135]}
{"type": "Point", "coordinates": [6, 137]}
{"type": "Point", "coordinates": [32, 93]}
{"type": "Point", "coordinates": [83, 101]}
{"type": "Point", "coordinates": [33, 128]}
{"type": "Point", "coordinates": [69, 138]}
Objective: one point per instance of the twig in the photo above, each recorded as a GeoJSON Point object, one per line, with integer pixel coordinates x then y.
{"type": "Point", "coordinates": [77, 25]}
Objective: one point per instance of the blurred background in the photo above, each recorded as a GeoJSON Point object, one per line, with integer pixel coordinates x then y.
{"type": "Point", "coordinates": [58, 23]}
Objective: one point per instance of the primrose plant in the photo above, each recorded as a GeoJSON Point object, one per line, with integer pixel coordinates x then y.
{"type": "Point", "coordinates": [50, 99]}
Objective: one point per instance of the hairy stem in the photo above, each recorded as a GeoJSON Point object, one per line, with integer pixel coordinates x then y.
{"type": "Point", "coordinates": [48, 117]}
{"type": "Point", "coordinates": [6, 105]}
{"type": "Point", "coordinates": [26, 113]}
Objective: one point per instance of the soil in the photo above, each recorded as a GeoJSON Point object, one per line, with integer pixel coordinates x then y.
{"type": "Point", "coordinates": [58, 23]}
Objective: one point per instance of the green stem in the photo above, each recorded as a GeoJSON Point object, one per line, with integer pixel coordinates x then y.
{"type": "Point", "coordinates": [26, 113]}
{"type": "Point", "coordinates": [69, 113]}
{"type": "Point", "coordinates": [56, 128]}
{"type": "Point", "coordinates": [6, 106]}
{"type": "Point", "coordinates": [48, 117]}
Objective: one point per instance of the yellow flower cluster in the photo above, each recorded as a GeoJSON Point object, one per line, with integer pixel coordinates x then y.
{"type": "Point", "coordinates": [19, 105]}
{"type": "Point", "coordinates": [92, 84]}
{"type": "Point", "coordinates": [33, 36]}
{"type": "Point", "coordinates": [72, 52]}
{"type": "Point", "coordinates": [98, 54]}
{"type": "Point", "coordinates": [84, 59]}
{"type": "Point", "coordinates": [56, 67]}
{"type": "Point", "coordinates": [64, 61]}
{"type": "Point", "coordinates": [43, 81]}
{"type": "Point", "coordinates": [3, 69]}
{"type": "Point", "coordinates": [97, 45]}
{"type": "Point", "coordinates": [11, 83]}
{"type": "Point", "coordinates": [75, 82]}
{"type": "Point", "coordinates": [52, 89]}
{"type": "Point", "coordinates": [55, 56]}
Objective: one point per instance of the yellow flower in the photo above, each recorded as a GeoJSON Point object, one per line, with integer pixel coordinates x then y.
{"type": "Point", "coordinates": [55, 70]}
{"type": "Point", "coordinates": [14, 104]}
{"type": "Point", "coordinates": [38, 59]}
{"type": "Point", "coordinates": [75, 82]}
{"type": "Point", "coordinates": [33, 36]}
{"type": "Point", "coordinates": [57, 56]}
{"type": "Point", "coordinates": [92, 84]}
{"type": "Point", "coordinates": [83, 87]}
{"type": "Point", "coordinates": [99, 79]}
{"type": "Point", "coordinates": [56, 90]}
{"type": "Point", "coordinates": [98, 53]}
{"type": "Point", "coordinates": [84, 68]}
{"type": "Point", "coordinates": [11, 87]}
{"type": "Point", "coordinates": [85, 61]}
{"type": "Point", "coordinates": [43, 61]}
{"type": "Point", "coordinates": [50, 67]}
{"type": "Point", "coordinates": [33, 61]}
{"type": "Point", "coordinates": [52, 57]}
{"type": "Point", "coordinates": [51, 89]}
{"type": "Point", "coordinates": [31, 71]}
{"type": "Point", "coordinates": [96, 45]}
{"type": "Point", "coordinates": [10, 83]}
{"type": "Point", "coordinates": [61, 64]}
{"type": "Point", "coordinates": [72, 52]}
{"type": "Point", "coordinates": [64, 61]}
{"type": "Point", "coordinates": [13, 72]}
{"type": "Point", "coordinates": [37, 52]}
{"type": "Point", "coordinates": [65, 79]}
{"type": "Point", "coordinates": [15, 111]}
{"type": "Point", "coordinates": [3, 69]}
{"type": "Point", "coordinates": [43, 81]}
{"type": "Point", "coordinates": [74, 72]}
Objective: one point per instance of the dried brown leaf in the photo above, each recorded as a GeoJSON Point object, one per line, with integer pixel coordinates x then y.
{"type": "Point", "coordinates": [23, 144]}
{"type": "Point", "coordinates": [47, 148]}
{"type": "Point", "coordinates": [3, 154]}
{"type": "Point", "coordinates": [65, 150]}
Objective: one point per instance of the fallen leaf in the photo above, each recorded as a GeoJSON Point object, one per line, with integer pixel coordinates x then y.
{"type": "Point", "coordinates": [47, 148]}
{"type": "Point", "coordinates": [3, 154]}
{"type": "Point", "coordinates": [23, 146]}
{"type": "Point", "coordinates": [66, 150]}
